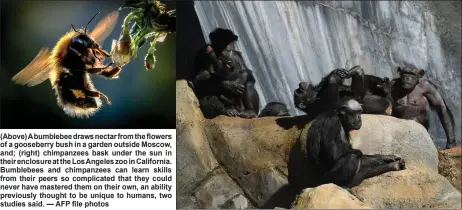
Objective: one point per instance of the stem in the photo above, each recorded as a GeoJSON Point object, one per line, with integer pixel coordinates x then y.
{"type": "Point", "coordinates": [126, 23]}
{"type": "Point", "coordinates": [150, 64]}
{"type": "Point", "coordinates": [152, 49]}
{"type": "Point", "coordinates": [136, 40]}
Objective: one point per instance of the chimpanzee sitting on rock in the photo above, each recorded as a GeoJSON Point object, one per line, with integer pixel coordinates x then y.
{"type": "Point", "coordinates": [227, 73]}
{"type": "Point", "coordinates": [220, 93]}
{"type": "Point", "coordinates": [333, 158]}
{"type": "Point", "coordinates": [411, 94]}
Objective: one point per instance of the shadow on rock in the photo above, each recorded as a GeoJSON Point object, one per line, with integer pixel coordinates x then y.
{"type": "Point", "coordinates": [283, 198]}
{"type": "Point", "coordinates": [301, 174]}
{"type": "Point", "coordinates": [299, 121]}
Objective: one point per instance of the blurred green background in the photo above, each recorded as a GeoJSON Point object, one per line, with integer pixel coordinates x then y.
{"type": "Point", "coordinates": [140, 99]}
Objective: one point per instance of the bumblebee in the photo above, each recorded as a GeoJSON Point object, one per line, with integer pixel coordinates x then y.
{"type": "Point", "coordinates": [69, 65]}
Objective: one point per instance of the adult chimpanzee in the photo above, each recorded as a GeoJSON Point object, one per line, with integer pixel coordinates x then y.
{"type": "Point", "coordinates": [227, 73]}
{"type": "Point", "coordinates": [274, 109]}
{"type": "Point", "coordinates": [369, 90]}
{"type": "Point", "coordinates": [331, 153]}
{"type": "Point", "coordinates": [217, 101]}
{"type": "Point", "coordinates": [411, 94]}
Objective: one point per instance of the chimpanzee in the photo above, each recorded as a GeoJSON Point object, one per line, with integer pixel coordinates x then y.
{"type": "Point", "coordinates": [274, 109]}
{"type": "Point", "coordinates": [226, 72]}
{"type": "Point", "coordinates": [210, 84]}
{"type": "Point", "coordinates": [331, 154]}
{"type": "Point", "coordinates": [411, 94]}
{"type": "Point", "coordinates": [369, 90]}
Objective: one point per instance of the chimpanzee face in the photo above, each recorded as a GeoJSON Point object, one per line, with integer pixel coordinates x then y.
{"type": "Point", "coordinates": [275, 109]}
{"type": "Point", "coordinates": [410, 77]}
{"type": "Point", "coordinates": [230, 47]}
{"type": "Point", "coordinates": [350, 113]}
{"type": "Point", "coordinates": [304, 95]}
{"type": "Point", "coordinates": [227, 62]}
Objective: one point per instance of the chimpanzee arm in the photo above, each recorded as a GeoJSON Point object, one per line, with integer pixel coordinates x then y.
{"type": "Point", "coordinates": [202, 75]}
{"type": "Point", "coordinates": [333, 93]}
{"type": "Point", "coordinates": [216, 64]}
{"type": "Point", "coordinates": [250, 76]}
{"type": "Point", "coordinates": [387, 87]}
{"type": "Point", "coordinates": [334, 145]}
{"type": "Point", "coordinates": [335, 81]}
{"type": "Point", "coordinates": [207, 65]}
{"type": "Point", "coordinates": [241, 60]}
{"type": "Point", "coordinates": [357, 152]}
{"type": "Point", "coordinates": [357, 84]}
{"type": "Point", "coordinates": [437, 102]}
{"type": "Point", "coordinates": [341, 149]}
{"type": "Point", "coordinates": [314, 147]}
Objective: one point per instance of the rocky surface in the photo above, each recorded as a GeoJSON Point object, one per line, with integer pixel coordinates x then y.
{"type": "Point", "coordinates": [328, 196]}
{"type": "Point", "coordinates": [454, 152]}
{"type": "Point", "coordinates": [202, 183]}
{"type": "Point", "coordinates": [245, 163]}
{"type": "Point", "coordinates": [406, 138]}
{"type": "Point", "coordinates": [413, 188]}
{"type": "Point", "coordinates": [450, 166]}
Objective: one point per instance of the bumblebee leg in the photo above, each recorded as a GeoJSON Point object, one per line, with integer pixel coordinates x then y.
{"type": "Point", "coordinates": [94, 70]}
{"type": "Point", "coordinates": [103, 52]}
{"type": "Point", "coordinates": [105, 98]}
{"type": "Point", "coordinates": [97, 94]}
{"type": "Point", "coordinates": [112, 73]}
{"type": "Point", "coordinates": [98, 70]}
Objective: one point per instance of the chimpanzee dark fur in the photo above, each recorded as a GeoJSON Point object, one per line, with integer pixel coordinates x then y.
{"type": "Point", "coordinates": [274, 109]}
{"type": "Point", "coordinates": [238, 97]}
{"type": "Point", "coordinates": [332, 156]}
{"type": "Point", "coordinates": [411, 94]}
{"type": "Point", "coordinates": [369, 90]}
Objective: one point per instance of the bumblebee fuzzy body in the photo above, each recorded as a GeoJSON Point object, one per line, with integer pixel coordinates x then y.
{"type": "Point", "coordinates": [69, 66]}
{"type": "Point", "coordinates": [70, 83]}
{"type": "Point", "coordinates": [72, 98]}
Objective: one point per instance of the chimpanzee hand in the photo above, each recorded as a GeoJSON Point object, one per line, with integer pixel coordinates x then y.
{"type": "Point", "coordinates": [390, 158]}
{"type": "Point", "coordinates": [385, 86]}
{"type": "Point", "coordinates": [234, 87]}
{"type": "Point", "coordinates": [231, 112]}
{"type": "Point", "coordinates": [249, 114]}
{"type": "Point", "coordinates": [342, 73]}
{"type": "Point", "coordinates": [209, 49]}
{"type": "Point", "coordinates": [399, 165]}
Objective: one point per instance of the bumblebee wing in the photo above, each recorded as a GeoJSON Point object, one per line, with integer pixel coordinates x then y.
{"type": "Point", "coordinates": [104, 27]}
{"type": "Point", "coordinates": [37, 71]}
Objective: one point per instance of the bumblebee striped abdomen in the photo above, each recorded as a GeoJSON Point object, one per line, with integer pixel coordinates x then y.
{"type": "Point", "coordinates": [72, 94]}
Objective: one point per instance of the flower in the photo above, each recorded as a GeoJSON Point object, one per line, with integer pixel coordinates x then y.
{"type": "Point", "coordinates": [121, 51]}
{"type": "Point", "coordinates": [149, 62]}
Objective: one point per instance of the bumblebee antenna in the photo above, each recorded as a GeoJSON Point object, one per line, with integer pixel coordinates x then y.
{"type": "Point", "coordinates": [90, 22]}
{"type": "Point", "coordinates": [73, 28]}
